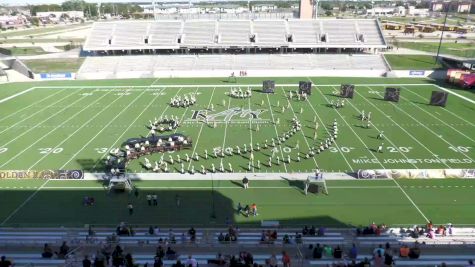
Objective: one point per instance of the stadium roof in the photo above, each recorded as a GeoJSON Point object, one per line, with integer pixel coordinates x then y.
{"type": "Point", "coordinates": [204, 34]}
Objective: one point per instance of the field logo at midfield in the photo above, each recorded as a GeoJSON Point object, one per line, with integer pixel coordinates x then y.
{"type": "Point", "coordinates": [227, 115]}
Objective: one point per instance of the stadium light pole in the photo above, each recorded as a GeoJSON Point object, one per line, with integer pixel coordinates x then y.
{"type": "Point", "coordinates": [442, 34]}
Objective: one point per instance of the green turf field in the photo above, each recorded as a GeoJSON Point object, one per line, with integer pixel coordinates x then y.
{"type": "Point", "coordinates": [73, 125]}
{"type": "Point", "coordinates": [349, 203]}
{"type": "Point", "coordinates": [64, 127]}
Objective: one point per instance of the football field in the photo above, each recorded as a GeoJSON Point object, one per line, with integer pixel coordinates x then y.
{"type": "Point", "coordinates": [73, 125]}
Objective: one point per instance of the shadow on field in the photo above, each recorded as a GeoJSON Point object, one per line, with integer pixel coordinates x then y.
{"type": "Point", "coordinates": [88, 165]}
{"type": "Point", "coordinates": [177, 207]}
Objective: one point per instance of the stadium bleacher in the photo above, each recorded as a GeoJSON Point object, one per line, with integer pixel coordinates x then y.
{"type": "Point", "coordinates": [142, 245]}
{"type": "Point", "coordinates": [162, 34]}
{"type": "Point", "coordinates": [144, 66]}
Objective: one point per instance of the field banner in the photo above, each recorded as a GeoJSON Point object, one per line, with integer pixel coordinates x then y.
{"type": "Point", "coordinates": [56, 76]}
{"type": "Point", "coordinates": [47, 174]}
{"type": "Point", "coordinates": [417, 72]}
{"type": "Point", "coordinates": [416, 173]}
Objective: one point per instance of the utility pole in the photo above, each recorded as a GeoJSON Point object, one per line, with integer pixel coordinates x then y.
{"type": "Point", "coordinates": [442, 34]}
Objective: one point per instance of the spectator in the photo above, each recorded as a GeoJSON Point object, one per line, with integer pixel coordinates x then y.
{"type": "Point", "coordinates": [272, 261]}
{"type": "Point", "coordinates": [63, 250]}
{"type": "Point", "coordinates": [192, 234]}
{"type": "Point", "coordinates": [337, 253]}
{"type": "Point", "coordinates": [298, 238]}
{"type": "Point", "coordinates": [286, 239]}
{"type": "Point", "coordinates": [273, 236]}
{"type": "Point", "coordinates": [321, 231]}
{"type": "Point", "coordinates": [404, 251]}
{"type": "Point", "coordinates": [47, 252]}
{"type": "Point", "coordinates": [149, 199]}
{"type": "Point", "coordinates": [178, 264]}
{"type": "Point", "coordinates": [378, 259]}
{"type": "Point", "coordinates": [318, 252]}
{"type": "Point", "coordinates": [285, 259]}
{"type": "Point", "coordinates": [263, 236]}
{"type": "Point", "coordinates": [327, 251]}
{"type": "Point", "coordinates": [312, 231]}
{"type": "Point", "coordinates": [305, 230]}
{"type": "Point", "coordinates": [365, 263]}
{"type": "Point", "coordinates": [470, 263]}
{"type": "Point", "coordinates": [353, 253]}
{"type": "Point", "coordinates": [191, 262]}
{"type": "Point", "coordinates": [99, 260]}
{"type": "Point", "coordinates": [150, 230]}
{"type": "Point", "coordinates": [129, 261]}
{"type": "Point", "coordinates": [4, 262]}
{"type": "Point", "coordinates": [160, 252]}
{"type": "Point", "coordinates": [158, 262]}
{"type": "Point", "coordinates": [131, 208]}
{"type": "Point", "coordinates": [450, 229]}
{"type": "Point", "coordinates": [415, 251]}
{"type": "Point", "coordinates": [86, 262]}
{"type": "Point", "coordinates": [170, 253]}
{"type": "Point", "coordinates": [221, 237]}
{"type": "Point", "coordinates": [380, 249]}
{"type": "Point", "coordinates": [117, 256]}
{"type": "Point", "coordinates": [388, 258]}
{"type": "Point", "coordinates": [239, 208]}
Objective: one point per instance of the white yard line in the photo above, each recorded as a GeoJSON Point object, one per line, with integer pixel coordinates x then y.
{"type": "Point", "coordinates": [123, 132]}
{"type": "Point", "coordinates": [184, 113]}
{"type": "Point", "coordinates": [328, 132]}
{"type": "Point", "coordinates": [40, 123]}
{"type": "Point", "coordinates": [402, 190]}
{"type": "Point", "coordinates": [351, 128]}
{"type": "Point", "coordinates": [301, 129]}
{"type": "Point", "coordinates": [78, 129]}
{"type": "Point", "coordinates": [276, 132]}
{"type": "Point", "coordinates": [250, 125]}
{"type": "Point", "coordinates": [404, 130]}
{"type": "Point", "coordinates": [24, 203]}
{"type": "Point", "coordinates": [225, 129]}
{"type": "Point", "coordinates": [48, 133]}
{"type": "Point", "coordinates": [201, 129]}
{"type": "Point", "coordinates": [34, 103]}
{"type": "Point", "coordinates": [17, 94]}
{"type": "Point", "coordinates": [385, 137]}
{"type": "Point", "coordinates": [410, 199]}
{"type": "Point", "coordinates": [61, 99]}
{"type": "Point", "coordinates": [167, 105]}
{"type": "Point", "coordinates": [430, 130]}
{"type": "Point", "coordinates": [443, 109]}
{"type": "Point", "coordinates": [105, 127]}
{"type": "Point", "coordinates": [430, 114]}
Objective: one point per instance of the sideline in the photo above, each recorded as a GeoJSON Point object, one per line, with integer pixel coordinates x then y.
{"type": "Point", "coordinates": [17, 94]}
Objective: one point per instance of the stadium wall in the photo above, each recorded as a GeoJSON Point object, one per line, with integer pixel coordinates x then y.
{"type": "Point", "coordinates": [434, 74]}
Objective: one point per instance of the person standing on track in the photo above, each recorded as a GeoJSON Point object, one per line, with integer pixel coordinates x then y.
{"type": "Point", "coordinates": [245, 183]}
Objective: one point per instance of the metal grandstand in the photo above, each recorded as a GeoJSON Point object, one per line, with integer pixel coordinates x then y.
{"type": "Point", "coordinates": [251, 36]}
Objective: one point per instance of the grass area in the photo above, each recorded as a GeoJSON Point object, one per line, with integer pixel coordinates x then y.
{"type": "Point", "coordinates": [412, 62]}
{"type": "Point", "coordinates": [26, 51]}
{"type": "Point", "coordinates": [41, 40]}
{"type": "Point", "coordinates": [457, 49]}
{"type": "Point", "coordinates": [74, 124]}
{"type": "Point", "coordinates": [40, 30]}
{"type": "Point", "coordinates": [349, 203]}
{"type": "Point", "coordinates": [54, 65]}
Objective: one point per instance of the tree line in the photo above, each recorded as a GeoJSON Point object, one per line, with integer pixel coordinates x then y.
{"type": "Point", "coordinates": [89, 9]}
